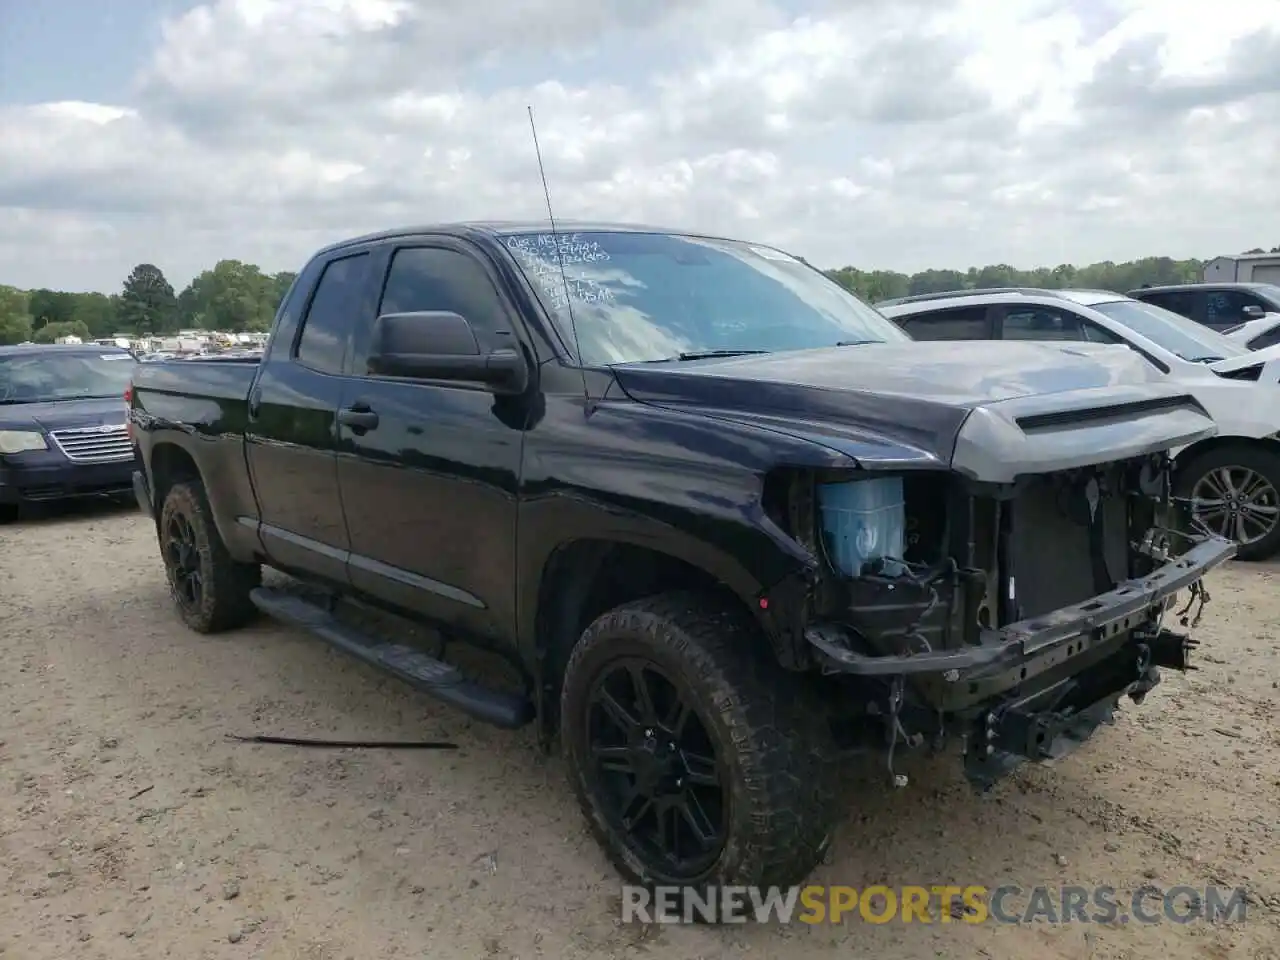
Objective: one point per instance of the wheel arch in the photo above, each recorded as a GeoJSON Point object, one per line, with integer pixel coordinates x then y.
{"type": "Point", "coordinates": [1202, 448]}
{"type": "Point", "coordinates": [586, 577]}
{"type": "Point", "coordinates": [224, 478]}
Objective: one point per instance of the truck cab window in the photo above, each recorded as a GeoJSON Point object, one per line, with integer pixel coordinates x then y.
{"type": "Point", "coordinates": [435, 278]}
{"type": "Point", "coordinates": [323, 344]}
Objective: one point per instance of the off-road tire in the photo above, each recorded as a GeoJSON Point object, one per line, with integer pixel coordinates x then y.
{"type": "Point", "coordinates": [782, 784]}
{"type": "Point", "coordinates": [1260, 460]}
{"type": "Point", "coordinates": [226, 583]}
{"type": "Point", "coordinates": [9, 513]}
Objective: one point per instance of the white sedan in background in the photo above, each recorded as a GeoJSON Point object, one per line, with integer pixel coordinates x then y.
{"type": "Point", "coordinates": [1232, 480]}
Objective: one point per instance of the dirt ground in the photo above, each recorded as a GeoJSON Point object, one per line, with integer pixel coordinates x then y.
{"type": "Point", "coordinates": [130, 826]}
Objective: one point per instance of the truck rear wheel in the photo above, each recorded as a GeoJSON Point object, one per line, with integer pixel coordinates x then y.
{"type": "Point", "coordinates": [695, 760]}
{"type": "Point", "coordinates": [1237, 492]}
{"type": "Point", "coordinates": [210, 589]}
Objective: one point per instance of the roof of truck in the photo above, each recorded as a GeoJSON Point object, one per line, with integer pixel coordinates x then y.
{"type": "Point", "coordinates": [499, 228]}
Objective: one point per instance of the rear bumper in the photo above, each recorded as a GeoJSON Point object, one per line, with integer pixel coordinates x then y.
{"type": "Point", "coordinates": [24, 481]}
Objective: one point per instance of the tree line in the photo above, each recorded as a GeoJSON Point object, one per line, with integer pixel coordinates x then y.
{"type": "Point", "coordinates": [235, 296]}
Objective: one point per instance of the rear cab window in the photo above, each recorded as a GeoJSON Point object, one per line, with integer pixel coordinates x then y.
{"type": "Point", "coordinates": [331, 314]}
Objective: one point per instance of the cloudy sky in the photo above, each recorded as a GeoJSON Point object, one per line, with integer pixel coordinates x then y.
{"type": "Point", "coordinates": [898, 134]}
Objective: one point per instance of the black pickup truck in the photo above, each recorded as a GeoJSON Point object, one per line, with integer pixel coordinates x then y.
{"type": "Point", "coordinates": [728, 522]}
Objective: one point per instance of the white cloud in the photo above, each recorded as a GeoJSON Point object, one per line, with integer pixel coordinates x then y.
{"type": "Point", "coordinates": [923, 133]}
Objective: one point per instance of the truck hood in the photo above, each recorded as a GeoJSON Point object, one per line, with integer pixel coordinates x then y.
{"type": "Point", "coordinates": [62, 414]}
{"type": "Point", "coordinates": [991, 410]}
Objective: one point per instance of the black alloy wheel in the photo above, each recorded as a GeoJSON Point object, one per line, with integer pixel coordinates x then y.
{"type": "Point", "coordinates": [183, 556]}
{"type": "Point", "coordinates": [210, 589]}
{"type": "Point", "coordinates": [657, 767]}
{"type": "Point", "coordinates": [696, 759]}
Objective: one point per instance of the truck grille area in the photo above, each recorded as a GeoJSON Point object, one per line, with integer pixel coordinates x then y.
{"type": "Point", "coordinates": [1052, 555]}
{"type": "Point", "coordinates": [94, 444]}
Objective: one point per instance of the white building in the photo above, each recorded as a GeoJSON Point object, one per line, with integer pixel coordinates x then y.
{"type": "Point", "coordinates": [1244, 268]}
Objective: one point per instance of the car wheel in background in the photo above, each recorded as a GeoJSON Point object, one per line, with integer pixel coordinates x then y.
{"type": "Point", "coordinates": [1235, 492]}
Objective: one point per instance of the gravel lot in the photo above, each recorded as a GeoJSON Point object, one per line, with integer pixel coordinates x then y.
{"type": "Point", "coordinates": [131, 827]}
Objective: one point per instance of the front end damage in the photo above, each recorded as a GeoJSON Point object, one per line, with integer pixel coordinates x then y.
{"type": "Point", "coordinates": [1012, 616]}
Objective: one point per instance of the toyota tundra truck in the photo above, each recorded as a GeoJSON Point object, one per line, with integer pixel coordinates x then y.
{"type": "Point", "coordinates": [729, 524]}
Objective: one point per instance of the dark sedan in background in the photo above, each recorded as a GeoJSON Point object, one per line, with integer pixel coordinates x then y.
{"type": "Point", "coordinates": [62, 423]}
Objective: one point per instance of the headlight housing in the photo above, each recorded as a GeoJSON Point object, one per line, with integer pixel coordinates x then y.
{"type": "Point", "coordinates": [19, 441]}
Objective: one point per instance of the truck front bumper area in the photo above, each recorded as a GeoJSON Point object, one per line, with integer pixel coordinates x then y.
{"type": "Point", "coordinates": [1036, 688]}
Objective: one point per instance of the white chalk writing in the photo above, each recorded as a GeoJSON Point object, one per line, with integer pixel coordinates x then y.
{"type": "Point", "coordinates": [557, 263]}
{"type": "Point", "coordinates": [573, 247]}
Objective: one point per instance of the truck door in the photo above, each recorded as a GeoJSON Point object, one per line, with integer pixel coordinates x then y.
{"type": "Point", "coordinates": [429, 470]}
{"type": "Point", "coordinates": [292, 428]}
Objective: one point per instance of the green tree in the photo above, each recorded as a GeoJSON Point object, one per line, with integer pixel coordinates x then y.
{"type": "Point", "coordinates": [97, 312]}
{"type": "Point", "coordinates": [233, 296]}
{"type": "Point", "coordinates": [50, 306]}
{"type": "Point", "coordinates": [879, 285]}
{"type": "Point", "coordinates": [147, 303]}
{"type": "Point", "coordinates": [52, 331]}
{"type": "Point", "coordinates": [15, 321]}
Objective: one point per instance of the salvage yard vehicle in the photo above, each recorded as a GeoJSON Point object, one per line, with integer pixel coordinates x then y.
{"type": "Point", "coordinates": [1232, 481]}
{"type": "Point", "coordinates": [728, 522]}
{"type": "Point", "coordinates": [1216, 305]}
{"type": "Point", "coordinates": [62, 425]}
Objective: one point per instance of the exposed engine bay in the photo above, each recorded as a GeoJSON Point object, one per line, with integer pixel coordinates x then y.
{"type": "Point", "coordinates": [1013, 617]}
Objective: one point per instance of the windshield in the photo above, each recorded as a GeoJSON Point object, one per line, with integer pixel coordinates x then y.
{"type": "Point", "coordinates": [1186, 338]}
{"type": "Point", "coordinates": [655, 296]}
{"type": "Point", "coordinates": [35, 377]}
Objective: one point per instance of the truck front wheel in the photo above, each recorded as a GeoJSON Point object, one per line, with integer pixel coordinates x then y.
{"type": "Point", "coordinates": [210, 589]}
{"type": "Point", "coordinates": [697, 761]}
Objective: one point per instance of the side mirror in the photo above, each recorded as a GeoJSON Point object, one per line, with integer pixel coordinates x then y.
{"type": "Point", "coordinates": [438, 345]}
{"type": "Point", "coordinates": [1252, 311]}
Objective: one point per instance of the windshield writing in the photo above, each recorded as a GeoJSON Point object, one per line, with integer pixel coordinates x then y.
{"type": "Point", "coordinates": [653, 296]}
{"type": "Point", "coordinates": [1177, 334]}
{"type": "Point", "coordinates": [42, 377]}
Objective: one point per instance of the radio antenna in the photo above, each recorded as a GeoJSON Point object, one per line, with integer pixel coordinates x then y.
{"type": "Point", "coordinates": [564, 277]}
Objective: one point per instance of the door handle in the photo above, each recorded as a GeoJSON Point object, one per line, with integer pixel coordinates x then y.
{"type": "Point", "coordinates": [358, 417]}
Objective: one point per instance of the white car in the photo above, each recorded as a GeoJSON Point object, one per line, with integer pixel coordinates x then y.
{"type": "Point", "coordinates": [1231, 480]}
{"type": "Point", "coordinates": [1255, 334]}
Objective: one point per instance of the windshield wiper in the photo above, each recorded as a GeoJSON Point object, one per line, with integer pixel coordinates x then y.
{"type": "Point", "coordinates": [855, 343]}
{"type": "Point", "coordinates": [708, 354]}
{"type": "Point", "coordinates": [1204, 359]}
